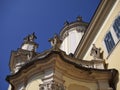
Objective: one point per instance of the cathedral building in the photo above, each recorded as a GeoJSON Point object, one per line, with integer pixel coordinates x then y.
{"type": "Point", "coordinates": [82, 57]}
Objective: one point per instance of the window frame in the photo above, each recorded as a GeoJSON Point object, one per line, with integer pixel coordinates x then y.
{"type": "Point", "coordinates": [109, 42]}
{"type": "Point", "coordinates": [116, 26]}
{"type": "Point", "coordinates": [114, 36]}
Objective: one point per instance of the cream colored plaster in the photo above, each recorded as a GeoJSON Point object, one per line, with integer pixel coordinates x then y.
{"type": "Point", "coordinates": [113, 58]}
{"type": "Point", "coordinates": [34, 84]}
{"type": "Point", "coordinates": [114, 61]}
{"type": "Point", "coordinates": [77, 87]}
{"type": "Point", "coordinates": [84, 85]}
{"type": "Point", "coordinates": [104, 29]}
{"type": "Point", "coordinates": [9, 87]}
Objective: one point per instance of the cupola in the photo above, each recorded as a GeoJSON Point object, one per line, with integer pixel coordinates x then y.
{"type": "Point", "coordinates": [71, 34]}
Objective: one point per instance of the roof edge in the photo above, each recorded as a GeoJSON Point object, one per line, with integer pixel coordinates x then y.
{"type": "Point", "coordinates": [94, 26]}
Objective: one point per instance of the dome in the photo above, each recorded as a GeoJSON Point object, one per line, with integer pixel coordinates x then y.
{"type": "Point", "coordinates": [79, 24]}
{"type": "Point", "coordinates": [71, 35]}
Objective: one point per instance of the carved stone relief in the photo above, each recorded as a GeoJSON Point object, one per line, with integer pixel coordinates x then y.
{"type": "Point", "coordinates": [55, 41]}
{"type": "Point", "coordinates": [52, 85]}
{"type": "Point", "coordinates": [96, 53]}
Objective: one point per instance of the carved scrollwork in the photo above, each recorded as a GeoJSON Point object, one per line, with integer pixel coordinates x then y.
{"type": "Point", "coordinates": [51, 86]}
{"type": "Point", "coordinates": [80, 29]}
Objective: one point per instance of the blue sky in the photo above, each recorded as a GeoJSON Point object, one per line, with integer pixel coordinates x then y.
{"type": "Point", "coordinates": [19, 18]}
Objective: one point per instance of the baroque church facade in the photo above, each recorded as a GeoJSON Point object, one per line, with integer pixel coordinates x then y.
{"type": "Point", "coordinates": [82, 57]}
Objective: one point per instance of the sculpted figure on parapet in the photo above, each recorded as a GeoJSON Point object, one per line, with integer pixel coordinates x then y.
{"type": "Point", "coordinates": [30, 37]}
{"type": "Point", "coordinates": [95, 52]}
{"type": "Point", "coordinates": [55, 41]}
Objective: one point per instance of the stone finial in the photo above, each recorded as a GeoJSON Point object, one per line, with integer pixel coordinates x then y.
{"type": "Point", "coordinates": [79, 18]}
{"type": "Point", "coordinates": [66, 23]}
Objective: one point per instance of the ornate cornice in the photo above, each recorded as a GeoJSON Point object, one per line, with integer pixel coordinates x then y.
{"type": "Point", "coordinates": [58, 60]}
{"type": "Point", "coordinates": [68, 26]}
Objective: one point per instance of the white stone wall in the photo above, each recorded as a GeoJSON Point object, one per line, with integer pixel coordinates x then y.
{"type": "Point", "coordinates": [27, 47]}
{"type": "Point", "coordinates": [71, 41]}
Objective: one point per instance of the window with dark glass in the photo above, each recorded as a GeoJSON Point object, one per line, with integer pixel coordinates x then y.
{"type": "Point", "coordinates": [109, 42]}
{"type": "Point", "coordinates": [116, 27]}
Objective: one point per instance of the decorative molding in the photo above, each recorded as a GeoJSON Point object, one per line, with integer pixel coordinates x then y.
{"type": "Point", "coordinates": [72, 25]}
{"type": "Point", "coordinates": [52, 85]}
{"type": "Point", "coordinates": [94, 26]}
{"type": "Point", "coordinates": [80, 29]}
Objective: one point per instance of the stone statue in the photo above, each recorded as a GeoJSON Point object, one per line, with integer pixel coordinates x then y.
{"type": "Point", "coordinates": [26, 39]}
{"type": "Point", "coordinates": [79, 18]}
{"type": "Point", "coordinates": [30, 38]}
{"type": "Point", "coordinates": [95, 52]}
{"type": "Point", "coordinates": [55, 41]}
